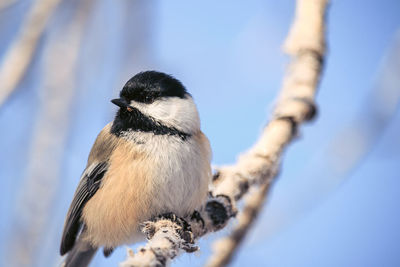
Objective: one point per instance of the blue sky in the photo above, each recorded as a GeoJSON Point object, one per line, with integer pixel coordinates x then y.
{"type": "Point", "coordinates": [228, 54]}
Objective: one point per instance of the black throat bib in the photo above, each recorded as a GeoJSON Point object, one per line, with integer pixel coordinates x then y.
{"type": "Point", "coordinates": [137, 121]}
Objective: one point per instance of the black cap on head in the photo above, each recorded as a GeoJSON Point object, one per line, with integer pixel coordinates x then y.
{"type": "Point", "coordinates": [149, 85]}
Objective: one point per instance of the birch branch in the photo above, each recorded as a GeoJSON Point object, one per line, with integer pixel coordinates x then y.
{"type": "Point", "coordinates": [306, 45]}
{"type": "Point", "coordinates": [225, 247]}
{"type": "Point", "coordinates": [21, 52]}
{"type": "Point", "coordinates": [257, 167]}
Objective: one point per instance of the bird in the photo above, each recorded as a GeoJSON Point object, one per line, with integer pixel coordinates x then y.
{"type": "Point", "coordinates": [151, 159]}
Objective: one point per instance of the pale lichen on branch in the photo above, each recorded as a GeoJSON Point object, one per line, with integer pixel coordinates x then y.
{"type": "Point", "coordinates": [168, 235]}
{"type": "Point", "coordinates": [257, 168]}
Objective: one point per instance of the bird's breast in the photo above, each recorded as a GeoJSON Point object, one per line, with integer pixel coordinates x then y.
{"type": "Point", "coordinates": [159, 174]}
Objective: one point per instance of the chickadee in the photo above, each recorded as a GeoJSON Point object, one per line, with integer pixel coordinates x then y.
{"type": "Point", "coordinates": [152, 159]}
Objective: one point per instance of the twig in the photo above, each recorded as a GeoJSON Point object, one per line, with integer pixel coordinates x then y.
{"type": "Point", "coordinates": [259, 166]}
{"type": "Point", "coordinates": [21, 52]}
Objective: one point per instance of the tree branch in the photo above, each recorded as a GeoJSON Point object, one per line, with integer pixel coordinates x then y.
{"type": "Point", "coordinates": [306, 45]}
{"type": "Point", "coordinates": [225, 247]}
{"type": "Point", "coordinates": [257, 167]}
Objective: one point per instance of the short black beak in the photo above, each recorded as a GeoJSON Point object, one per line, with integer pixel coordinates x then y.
{"type": "Point", "coordinates": [122, 103]}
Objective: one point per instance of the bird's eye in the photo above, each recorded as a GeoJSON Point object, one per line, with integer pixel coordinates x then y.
{"type": "Point", "coordinates": [148, 99]}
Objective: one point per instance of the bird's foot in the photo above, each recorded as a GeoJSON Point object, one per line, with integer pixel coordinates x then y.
{"type": "Point", "coordinates": [181, 228]}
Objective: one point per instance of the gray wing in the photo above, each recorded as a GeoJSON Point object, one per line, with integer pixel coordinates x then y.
{"type": "Point", "coordinates": [90, 182]}
{"type": "Point", "coordinates": [87, 187]}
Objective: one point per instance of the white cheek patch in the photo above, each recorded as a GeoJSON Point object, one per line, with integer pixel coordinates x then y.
{"type": "Point", "coordinates": [180, 113]}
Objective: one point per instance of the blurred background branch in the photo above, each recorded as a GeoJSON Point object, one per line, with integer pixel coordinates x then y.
{"type": "Point", "coordinates": [41, 181]}
{"type": "Point", "coordinates": [6, 3]}
{"type": "Point", "coordinates": [20, 54]}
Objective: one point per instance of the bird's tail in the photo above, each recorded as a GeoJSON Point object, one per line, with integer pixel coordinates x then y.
{"type": "Point", "coordinates": [80, 255]}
